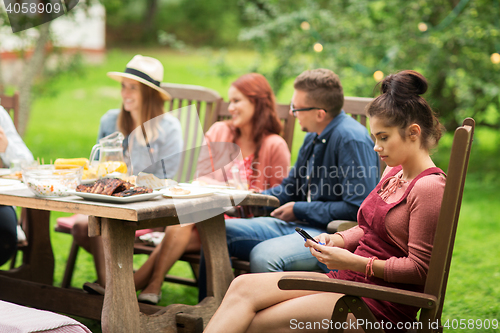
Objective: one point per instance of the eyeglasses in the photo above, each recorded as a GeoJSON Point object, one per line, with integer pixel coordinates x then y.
{"type": "Point", "coordinates": [294, 111]}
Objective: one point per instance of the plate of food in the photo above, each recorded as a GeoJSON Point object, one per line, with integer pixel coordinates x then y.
{"type": "Point", "coordinates": [114, 190]}
{"type": "Point", "coordinates": [178, 192]}
{"type": "Point", "coordinates": [115, 199]}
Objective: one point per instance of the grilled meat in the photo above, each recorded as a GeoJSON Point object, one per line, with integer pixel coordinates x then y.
{"type": "Point", "coordinates": [112, 186]}
{"type": "Point", "coordinates": [133, 191]}
{"type": "Point", "coordinates": [123, 187]}
{"type": "Point", "coordinates": [84, 188]}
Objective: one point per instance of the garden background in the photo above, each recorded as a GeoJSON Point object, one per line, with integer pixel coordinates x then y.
{"type": "Point", "coordinates": [453, 43]}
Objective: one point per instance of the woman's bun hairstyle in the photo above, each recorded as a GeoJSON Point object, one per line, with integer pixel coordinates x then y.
{"type": "Point", "coordinates": [401, 104]}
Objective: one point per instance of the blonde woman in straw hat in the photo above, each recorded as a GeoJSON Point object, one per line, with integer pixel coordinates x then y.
{"type": "Point", "coordinates": [142, 104]}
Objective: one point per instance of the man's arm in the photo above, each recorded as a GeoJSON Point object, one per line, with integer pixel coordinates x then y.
{"type": "Point", "coordinates": [358, 174]}
{"type": "Point", "coordinates": [13, 147]}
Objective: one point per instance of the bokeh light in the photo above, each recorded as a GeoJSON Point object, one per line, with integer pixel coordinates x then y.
{"type": "Point", "coordinates": [422, 27]}
{"type": "Point", "coordinates": [495, 58]}
{"type": "Point", "coordinates": [318, 47]}
{"type": "Point", "coordinates": [378, 75]}
{"type": "Point", "coordinates": [305, 25]}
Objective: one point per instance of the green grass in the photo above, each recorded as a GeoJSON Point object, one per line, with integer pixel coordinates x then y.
{"type": "Point", "coordinates": [64, 122]}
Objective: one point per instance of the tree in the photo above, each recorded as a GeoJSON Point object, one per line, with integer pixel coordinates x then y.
{"type": "Point", "coordinates": [449, 41]}
{"type": "Point", "coordinates": [34, 62]}
{"type": "Point", "coordinates": [32, 67]}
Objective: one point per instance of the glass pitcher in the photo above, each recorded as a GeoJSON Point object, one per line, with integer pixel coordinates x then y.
{"type": "Point", "coordinates": [110, 156]}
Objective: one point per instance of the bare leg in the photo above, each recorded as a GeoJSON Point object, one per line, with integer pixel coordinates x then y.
{"type": "Point", "coordinates": [177, 240]}
{"type": "Point", "coordinates": [93, 245]}
{"type": "Point", "coordinates": [80, 232]}
{"type": "Point", "coordinates": [97, 251]}
{"type": "Point", "coordinates": [143, 274]}
{"type": "Point", "coordinates": [248, 294]}
{"type": "Point", "coordinates": [310, 313]}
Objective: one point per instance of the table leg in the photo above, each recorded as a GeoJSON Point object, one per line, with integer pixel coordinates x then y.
{"type": "Point", "coordinates": [219, 272]}
{"type": "Point", "coordinates": [120, 311]}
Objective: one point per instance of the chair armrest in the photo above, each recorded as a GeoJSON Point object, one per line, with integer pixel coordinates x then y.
{"type": "Point", "coordinates": [340, 225]}
{"type": "Point", "coordinates": [359, 289]}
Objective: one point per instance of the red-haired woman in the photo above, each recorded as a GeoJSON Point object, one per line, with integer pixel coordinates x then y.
{"type": "Point", "coordinates": [255, 128]}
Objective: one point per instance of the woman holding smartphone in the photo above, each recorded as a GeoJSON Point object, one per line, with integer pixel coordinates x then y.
{"type": "Point", "coordinates": [392, 244]}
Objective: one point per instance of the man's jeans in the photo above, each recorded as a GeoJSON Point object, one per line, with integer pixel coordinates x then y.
{"type": "Point", "coordinates": [270, 244]}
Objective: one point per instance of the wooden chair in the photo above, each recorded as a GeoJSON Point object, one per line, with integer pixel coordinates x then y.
{"type": "Point", "coordinates": [11, 105]}
{"type": "Point", "coordinates": [432, 299]}
{"type": "Point", "coordinates": [355, 107]}
{"type": "Point", "coordinates": [207, 103]}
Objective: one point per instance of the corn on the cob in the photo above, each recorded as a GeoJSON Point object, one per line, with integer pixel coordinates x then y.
{"type": "Point", "coordinates": [61, 162]}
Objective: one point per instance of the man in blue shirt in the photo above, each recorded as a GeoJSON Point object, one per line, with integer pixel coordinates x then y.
{"type": "Point", "coordinates": [335, 170]}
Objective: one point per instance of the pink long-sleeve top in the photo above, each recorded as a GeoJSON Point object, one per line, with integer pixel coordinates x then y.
{"type": "Point", "coordinates": [273, 161]}
{"type": "Point", "coordinates": [411, 225]}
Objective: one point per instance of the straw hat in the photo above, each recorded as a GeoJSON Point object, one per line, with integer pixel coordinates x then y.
{"type": "Point", "coordinates": [146, 70]}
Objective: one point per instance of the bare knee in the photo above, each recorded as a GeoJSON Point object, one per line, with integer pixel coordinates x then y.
{"type": "Point", "coordinates": [241, 287]}
{"type": "Point", "coordinates": [80, 232]}
{"type": "Point", "coordinates": [180, 229]}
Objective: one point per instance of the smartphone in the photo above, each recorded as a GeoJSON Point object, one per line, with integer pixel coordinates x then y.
{"type": "Point", "coordinates": [305, 235]}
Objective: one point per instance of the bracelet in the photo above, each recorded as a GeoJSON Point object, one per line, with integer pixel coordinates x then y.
{"type": "Point", "coordinates": [369, 267]}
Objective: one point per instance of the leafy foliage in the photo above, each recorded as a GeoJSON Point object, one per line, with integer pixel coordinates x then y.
{"type": "Point", "coordinates": [195, 22]}
{"type": "Point", "coordinates": [359, 37]}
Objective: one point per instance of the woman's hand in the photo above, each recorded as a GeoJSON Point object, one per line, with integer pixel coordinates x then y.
{"type": "Point", "coordinates": [328, 240]}
{"type": "Point", "coordinates": [323, 238]}
{"type": "Point", "coordinates": [335, 257]}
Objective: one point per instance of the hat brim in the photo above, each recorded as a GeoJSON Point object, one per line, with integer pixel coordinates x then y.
{"type": "Point", "coordinates": [119, 75]}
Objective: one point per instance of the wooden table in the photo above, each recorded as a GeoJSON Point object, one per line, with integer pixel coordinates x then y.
{"type": "Point", "coordinates": [32, 283]}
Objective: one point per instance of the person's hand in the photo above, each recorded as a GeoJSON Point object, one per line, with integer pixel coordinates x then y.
{"type": "Point", "coordinates": [335, 257]}
{"type": "Point", "coordinates": [4, 142]}
{"type": "Point", "coordinates": [323, 238]}
{"type": "Point", "coordinates": [285, 212]}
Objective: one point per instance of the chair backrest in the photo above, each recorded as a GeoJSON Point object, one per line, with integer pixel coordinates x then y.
{"type": "Point", "coordinates": [11, 105]}
{"type": "Point", "coordinates": [207, 103]}
{"type": "Point", "coordinates": [355, 106]}
{"type": "Point", "coordinates": [283, 111]}
{"type": "Point", "coordinates": [439, 266]}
